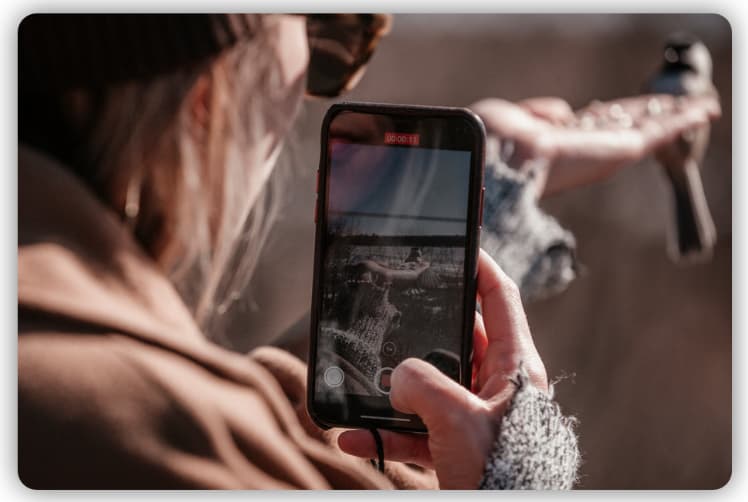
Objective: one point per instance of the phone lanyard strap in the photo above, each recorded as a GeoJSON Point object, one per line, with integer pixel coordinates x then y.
{"type": "Point", "coordinates": [380, 450]}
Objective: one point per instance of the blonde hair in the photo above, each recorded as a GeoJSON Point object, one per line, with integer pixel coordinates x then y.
{"type": "Point", "coordinates": [183, 184]}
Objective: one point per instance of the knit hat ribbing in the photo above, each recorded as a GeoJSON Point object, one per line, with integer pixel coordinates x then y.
{"type": "Point", "coordinates": [63, 51]}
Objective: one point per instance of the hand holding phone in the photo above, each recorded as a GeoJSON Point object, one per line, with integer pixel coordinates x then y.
{"type": "Point", "coordinates": [462, 424]}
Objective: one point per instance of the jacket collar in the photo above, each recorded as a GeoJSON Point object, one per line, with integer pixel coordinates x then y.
{"type": "Point", "coordinates": [77, 261]}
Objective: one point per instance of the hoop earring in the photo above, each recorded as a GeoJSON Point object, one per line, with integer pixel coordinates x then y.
{"type": "Point", "coordinates": [132, 201]}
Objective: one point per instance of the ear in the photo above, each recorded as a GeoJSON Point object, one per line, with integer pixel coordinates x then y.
{"type": "Point", "coordinates": [199, 105]}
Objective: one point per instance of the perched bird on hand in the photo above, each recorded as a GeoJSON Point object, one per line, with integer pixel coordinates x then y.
{"type": "Point", "coordinates": [686, 71]}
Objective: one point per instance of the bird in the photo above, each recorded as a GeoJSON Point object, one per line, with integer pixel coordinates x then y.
{"type": "Point", "coordinates": [686, 70]}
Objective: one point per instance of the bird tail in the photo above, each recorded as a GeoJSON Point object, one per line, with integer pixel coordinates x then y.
{"type": "Point", "coordinates": [695, 231]}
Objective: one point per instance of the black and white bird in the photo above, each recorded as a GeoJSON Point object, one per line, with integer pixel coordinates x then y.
{"type": "Point", "coordinates": [687, 71]}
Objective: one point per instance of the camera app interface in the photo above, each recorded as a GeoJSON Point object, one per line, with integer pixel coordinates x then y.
{"type": "Point", "coordinates": [393, 271]}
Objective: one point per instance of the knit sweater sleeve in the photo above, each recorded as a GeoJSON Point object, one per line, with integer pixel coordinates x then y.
{"type": "Point", "coordinates": [536, 448]}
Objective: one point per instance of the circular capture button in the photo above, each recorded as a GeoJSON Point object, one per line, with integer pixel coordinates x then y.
{"type": "Point", "coordinates": [334, 376]}
{"type": "Point", "coordinates": [382, 380]}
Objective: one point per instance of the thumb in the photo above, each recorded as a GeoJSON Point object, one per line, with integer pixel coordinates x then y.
{"type": "Point", "coordinates": [420, 388]}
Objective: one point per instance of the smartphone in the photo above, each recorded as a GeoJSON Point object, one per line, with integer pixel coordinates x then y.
{"type": "Point", "coordinates": [398, 215]}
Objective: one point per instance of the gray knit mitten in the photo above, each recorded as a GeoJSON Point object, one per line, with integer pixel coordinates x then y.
{"type": "Point", "coordinates": [536, 448]}
{"type": "Point", "coordinates": [527, 242]}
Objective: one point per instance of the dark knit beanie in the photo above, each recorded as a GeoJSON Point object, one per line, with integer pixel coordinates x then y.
{"type": "Point", "coordinates": [63, 51]}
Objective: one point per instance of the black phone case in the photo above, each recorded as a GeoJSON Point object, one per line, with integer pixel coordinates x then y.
{"type": "Point", "coordinates": [475, 208]}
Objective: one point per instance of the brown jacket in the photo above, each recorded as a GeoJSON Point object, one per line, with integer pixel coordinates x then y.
{"type": "Point", "coordinates": [117, 387]}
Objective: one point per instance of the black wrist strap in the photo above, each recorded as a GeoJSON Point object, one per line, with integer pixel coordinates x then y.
{"type": "Point", "coordinates": [380, 450]}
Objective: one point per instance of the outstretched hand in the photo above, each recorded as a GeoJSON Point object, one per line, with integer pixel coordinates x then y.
{"type": "Point", "coordinates": [594, 142]}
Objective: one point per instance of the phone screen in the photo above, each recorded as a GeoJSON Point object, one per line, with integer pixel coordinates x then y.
{"type": "Point", "coordinates": [393, 273]}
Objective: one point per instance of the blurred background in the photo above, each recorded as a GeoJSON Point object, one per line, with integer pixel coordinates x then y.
{"type": "Point", "coordinates": [643, 344]}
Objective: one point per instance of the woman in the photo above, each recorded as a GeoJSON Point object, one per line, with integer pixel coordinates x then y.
{"type": "Point", "coordinates": [145, 145]}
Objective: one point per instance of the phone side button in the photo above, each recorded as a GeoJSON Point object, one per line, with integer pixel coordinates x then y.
{"type": "Point", "coordinates": [480, 207]}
